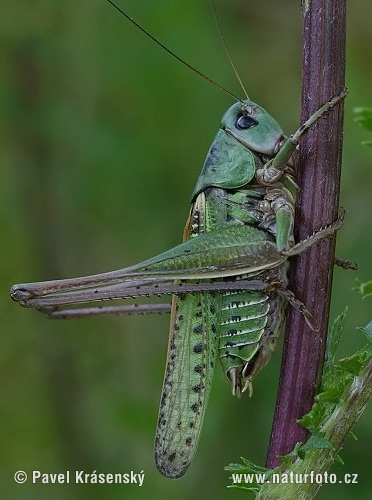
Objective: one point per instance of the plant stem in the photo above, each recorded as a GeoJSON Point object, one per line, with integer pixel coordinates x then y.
{"type": "Point", "coordinates": [336, 429]}
{"type": "Point", "coordinates": [323, 73]}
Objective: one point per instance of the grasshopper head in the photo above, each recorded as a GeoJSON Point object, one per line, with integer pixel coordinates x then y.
{"type": "Point", "coordinates": [254, 126]}
{"type": "Point", "coordinates": [246, 129]}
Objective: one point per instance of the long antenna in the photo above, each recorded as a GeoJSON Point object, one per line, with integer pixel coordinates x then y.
{"type": "Point", "coordinates": [164, 47]}
{"type": "Point", "coordinates": [226, 49]}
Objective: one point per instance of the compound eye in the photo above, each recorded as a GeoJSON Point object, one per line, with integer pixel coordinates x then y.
{"type": "Point", "coordinates": [245, 121]}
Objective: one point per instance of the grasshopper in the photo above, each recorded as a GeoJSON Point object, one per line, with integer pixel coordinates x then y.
{"type": "Point", "coordinates": [228, 279]}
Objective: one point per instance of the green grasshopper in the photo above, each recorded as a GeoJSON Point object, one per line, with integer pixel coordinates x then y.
{"type": "Point", "coordinates": [228, 279]}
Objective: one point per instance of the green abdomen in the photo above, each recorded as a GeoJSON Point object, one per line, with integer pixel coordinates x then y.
{"type": "Point", "coordinates": [249, 326]}
{"type": "Point", "coordinates": [250, 321]}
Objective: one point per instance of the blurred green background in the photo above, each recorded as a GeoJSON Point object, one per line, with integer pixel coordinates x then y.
{"type": "Point", "coordinates": [102, 139]}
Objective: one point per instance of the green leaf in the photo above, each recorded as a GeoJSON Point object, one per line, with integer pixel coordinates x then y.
{"type": "Point", "coordinates": [235, 468]}
{"type": "Point", "coordinates": [365, 289]}
{"type": "Point", "coordinates": [254, 467]}
{"type": "Point", "coordinates": [364, 117]}
{"type": "Point", "coordinates": [367, 143]}
{"type": "Point", "coordinates": [247, 467]}
{"type": "Point", "coordinates": [317, 441]}
{"type": "Point", "coordinates": [253, 489]}
{"type": "Point", "coordinates": [313, 420]}
{"type": "Point", "coordinates": [353, 436]}
{"type": "Point", "coordinates": [336, 377]}
{"type": "Point", "coordinates": [329, 372]}
{"type": "Point", "coordinates": [355, 363]}
{"type": "Point", "coordinates": [289, 458]}
{"type": "Point", "coordinates": [367, 331]}
{"type": "Point", "coordinates": [333, 395]}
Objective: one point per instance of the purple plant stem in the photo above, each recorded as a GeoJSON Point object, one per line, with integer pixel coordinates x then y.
{"type": "Point", "coordinates": [323, 74]}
